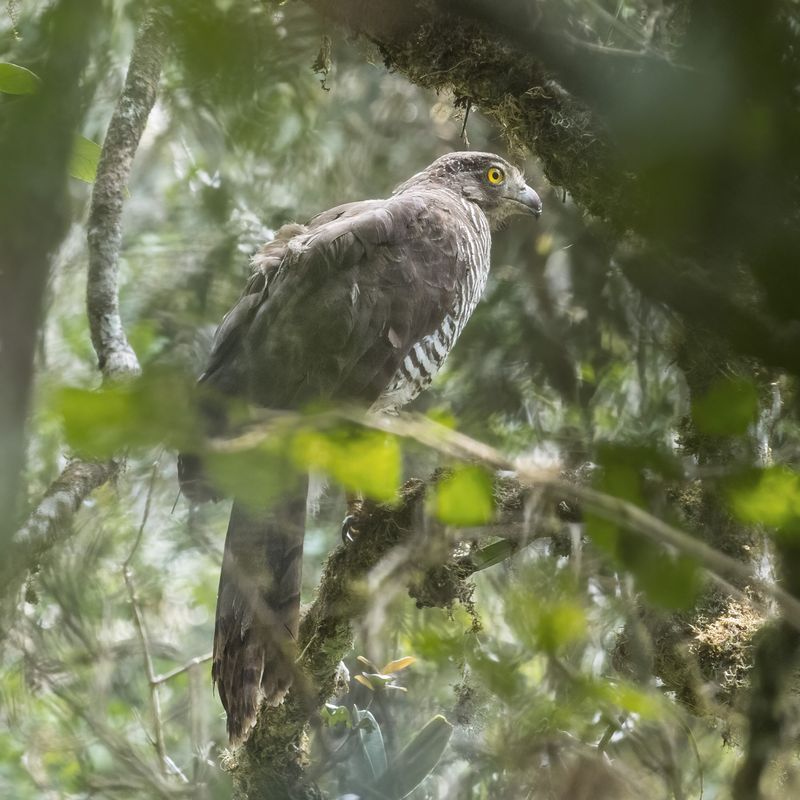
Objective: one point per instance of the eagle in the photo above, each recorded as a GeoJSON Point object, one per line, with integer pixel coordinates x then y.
{"type": "Point", "coordinates": [361, 305]}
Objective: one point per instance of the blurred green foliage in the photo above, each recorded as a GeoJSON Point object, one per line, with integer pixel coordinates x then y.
{"type": "Point", "coordinates": [465, 497]}
{"type": "Point", "coordinates": [565, 364]}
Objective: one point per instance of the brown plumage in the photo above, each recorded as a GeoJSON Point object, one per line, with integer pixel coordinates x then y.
{"type": "Point", "coordinates": [362, 304]}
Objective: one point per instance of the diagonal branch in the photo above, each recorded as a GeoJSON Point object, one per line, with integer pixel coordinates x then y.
{"type": "Point", "coordinates": [453, 444]}
{"type": "Point", "coordinates": [60, 502]}
{"type": "Point", "coordinates": [405, 533]}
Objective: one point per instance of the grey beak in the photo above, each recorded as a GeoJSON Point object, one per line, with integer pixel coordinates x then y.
{"type": "Point", "coordinates": [528, 198]}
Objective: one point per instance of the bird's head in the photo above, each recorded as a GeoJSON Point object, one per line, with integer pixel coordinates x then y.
{"type": "Point", "coordinates": [487, 180]}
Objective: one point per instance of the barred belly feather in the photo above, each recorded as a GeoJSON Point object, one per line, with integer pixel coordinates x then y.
{"type": "Point", "coordinates": [427, 356]}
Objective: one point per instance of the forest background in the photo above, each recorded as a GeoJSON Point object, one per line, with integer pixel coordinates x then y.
{"type": "Point", "coordinates": [595, 509]}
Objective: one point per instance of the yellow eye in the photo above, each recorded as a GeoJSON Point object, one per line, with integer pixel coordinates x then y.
{"type": "Point", "coordinates": [495, 175]}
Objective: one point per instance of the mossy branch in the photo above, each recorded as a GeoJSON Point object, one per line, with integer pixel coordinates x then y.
{"type": "Point", "coordinates": [273, 759]}
{"type": "Point", "coordinates": [272, 762]}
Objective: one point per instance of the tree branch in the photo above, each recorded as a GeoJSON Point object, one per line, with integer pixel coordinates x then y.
{"type": "Point", "coordinates": [50, 519]}
{"type": "Point", "coordinates": [456, 445]}
{"type": "Point", "coordinates": [272, 760]}
{"type": "Point", "coordinates": [115, 356]}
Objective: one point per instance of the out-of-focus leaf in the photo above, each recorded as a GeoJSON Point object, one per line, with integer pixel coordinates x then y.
{"type": "Point", "coordinates": [498, 670]}
{"type": "Point", "coordinates": [364, 682]}
{"type": "Point", "coordinates": [620, 478]}
{"type": "Point", "coordinates": [371, 740]}
{"type": "Point", "coordinates": [258, 476]}
{"type": "Point", "coordinates": [623, 695]}
{"type": "Point", "coordinates": [416, 760]}
{"type": "Point", "coordinates": [398, 664]}
{"type": "Point", "coordinates": [465, 497]}
{"type": "Point", "coordinates": [559, 624]}
{"type": "Point", "coordinates": [727, 409]}
{"type": "Point", "coordinates": [769, 497]}
{"type": "Point", "coordinates": [544, 621]}
{"type": "Point", "coordinates": [444, 417]}
{"type": "Point", "coordinates": [333, 715]}
{"type": "Point", "coordinates": [360, 459]}
{"type": "Point", "coordinates": [441, 638]}
{"type": "Point", "coordinates": [636, 458]}
{"type": "Point", "coordinates": [97, 423]}
{"type": "Point", "coordinates": [84, 159]}
{"type": "Point", "coordinates": [153, 409]}
{"type": "Point", "coordinates": [18, 80]}
{"type": "Point", "coordinates": [668, 580]}
{"type": "Point", "coordinates": [493, 554]}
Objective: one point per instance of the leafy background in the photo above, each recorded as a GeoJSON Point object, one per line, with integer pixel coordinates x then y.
{"type": "Point", "coordinates": [545, 665]}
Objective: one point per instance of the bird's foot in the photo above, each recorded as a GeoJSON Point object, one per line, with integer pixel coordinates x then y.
{"type": "Point", "coordinates": [349, 529]}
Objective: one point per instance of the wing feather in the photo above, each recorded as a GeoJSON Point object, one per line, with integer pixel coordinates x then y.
{"type": "Point", "coordinates": [344, 304]}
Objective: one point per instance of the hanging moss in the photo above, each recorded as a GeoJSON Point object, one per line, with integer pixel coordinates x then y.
{"type": "Point", "coordinates": [450, 53]}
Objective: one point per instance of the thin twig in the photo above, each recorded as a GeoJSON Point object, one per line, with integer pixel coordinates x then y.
{"type": "Point", "coordinates": [152, 678]}
{"type": "Point", "coordinates": [155, 700]}
{"type": "Point", "coordinates": [459, 446]}
{"type": "Point", "coordinates": [167, 676]}
{"type": "Point", "coordinates": [464, 138]}
{"type": "Point", "coordinates": [148, 500]}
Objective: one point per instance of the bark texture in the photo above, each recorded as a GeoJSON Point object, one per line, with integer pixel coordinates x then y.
{"type": "Point", "coordinates": [115, 356]}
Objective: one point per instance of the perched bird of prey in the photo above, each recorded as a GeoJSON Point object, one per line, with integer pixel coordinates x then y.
{"type": "Point", "coordinates": [361, 305]}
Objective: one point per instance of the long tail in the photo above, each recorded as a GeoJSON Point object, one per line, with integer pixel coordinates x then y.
{"type": "Point", "coordinates": [258, 609]}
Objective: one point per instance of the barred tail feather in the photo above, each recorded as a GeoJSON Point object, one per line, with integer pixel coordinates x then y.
{"type": "Point", "coordinates": [258, 609]}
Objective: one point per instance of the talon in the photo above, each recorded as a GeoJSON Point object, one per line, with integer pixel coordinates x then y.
{"type": "Point", "coordinates": [349, 529]}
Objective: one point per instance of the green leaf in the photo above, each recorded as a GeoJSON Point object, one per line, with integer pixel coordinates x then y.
{"type": "Point", "coordinates": [377, 680]}
{"type": "Point", "coordinates": [465, 497]}
{"type": "Point", "coordinates": [727, 409]}
{"type": "Point", "coordinates": [360, 459]}
{"type": "Point", "coordinates": [544, 622]}
{"type": "Point", "coordinates": [371, 740]}
{"type": "Point", "coordinates": [616, 695]}
{"type": "Point", "coordinates": [153, 409]}
{"type": "Point", "coordinates": [84, 159]}
{"type": "Point", "coordinates": [18, 80]}
{"type": "Point", "coordinates": [559, 624]}
{"type": "Point", "coordinates": [96, 423]}
{"type": "Point", "coordinates": [257, 476]}
{"type": "Point", "coordinates": [493, 553]}
{"type": "Point", "coordinates": [398, 664]}
{"type": "Point", "coordinates": [769, 497]}
{"type": "Point", "coordinates": [498, 669]}
{"type": "Point", "coordinates": [621, 477]}
{"type": "Point", "coordinates": [417, 760]}
{"type": "Point", "coordinates": [333, 715]}
{"type": "Point", "coordinates": [668, 580]}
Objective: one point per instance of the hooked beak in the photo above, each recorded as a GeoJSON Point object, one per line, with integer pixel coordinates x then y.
{"type": "Point", "coordinates": [528, 198]}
